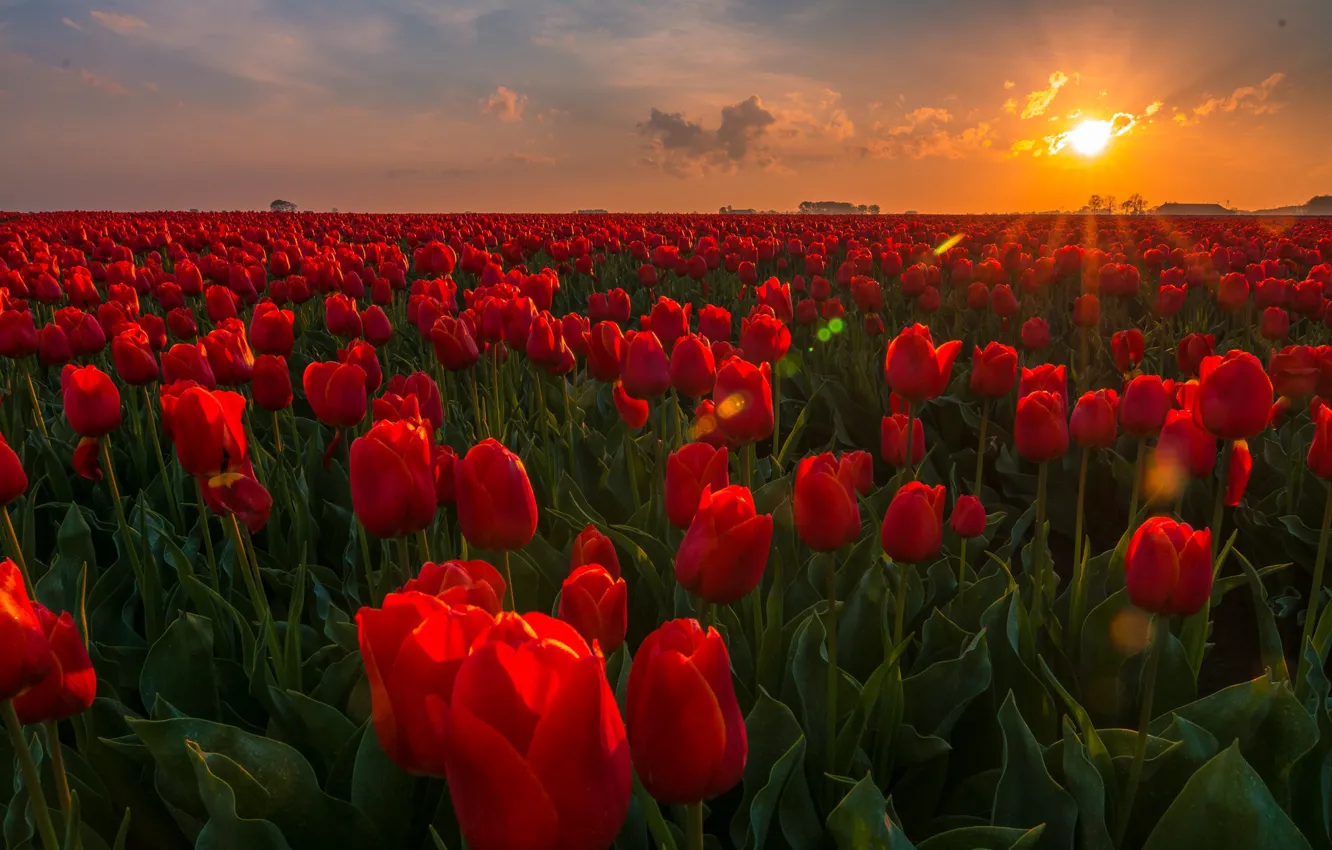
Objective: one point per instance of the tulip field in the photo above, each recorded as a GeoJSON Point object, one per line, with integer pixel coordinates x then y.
{"type": "Point", "coordinates": [542, 532]}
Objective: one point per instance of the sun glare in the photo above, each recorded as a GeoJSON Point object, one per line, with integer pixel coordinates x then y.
{"type": "Point", "coordinates": [1090, 137]}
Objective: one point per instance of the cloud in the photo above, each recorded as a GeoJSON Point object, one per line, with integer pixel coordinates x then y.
{"type": "Point", "coordinates": [1008, 84]}
{"type": "Point", "coordinates": [1039, 101]}
{"type": "Point", "coordinates": [931, 141]}
{"type": "Point", "coordinates": [1010, 106]}
{"type": "Point", "coordinates": [504, 104]}
{"type": "Point", "coordinates": [1153, 108]}
{"type": "Point", "coordinates": [682, 147]}
{"type": "Point", "coordinates": [1022, 145]}
{"type": "Point", "coordinates": [102, 84]}
{"type": "Point", "coordinates": [116, 22]}
{"type": "Point", "coordinates": [1118, 125]}
{"type": "Point", "coordinates": [919, 117]}
{"type": "Point", "coordinates": [71, 24]}
{"type": "Point", "coordinates": [527, 159]}
{"type": "Point", "coordinates": [1253, 99]}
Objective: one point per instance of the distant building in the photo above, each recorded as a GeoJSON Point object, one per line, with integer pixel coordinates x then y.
{"type": "Point", "coordinates": [591, 212]}
{"type": "Point", "coordinates": [730, 210]}
{"type": "Point", "coordinates": [1192, 209]}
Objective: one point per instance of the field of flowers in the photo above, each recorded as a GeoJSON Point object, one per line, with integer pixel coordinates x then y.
{"type": "Point", "coordinates": [563, 533]}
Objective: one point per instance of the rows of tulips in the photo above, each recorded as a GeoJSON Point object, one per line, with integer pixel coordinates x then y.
{"type": "Point", "coordinates": [664, 531]}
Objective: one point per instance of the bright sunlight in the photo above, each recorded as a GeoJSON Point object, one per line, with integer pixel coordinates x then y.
{"type": "Point", "coordinates": [1090, 137]}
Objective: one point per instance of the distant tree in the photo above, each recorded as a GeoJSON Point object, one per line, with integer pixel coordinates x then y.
{"type": "Point", "coordinates": [1110, 204]}
{"type": "Point", "coordinates": [873, 209]}
{"type": "Point", "coordinates": [1135, 204]}
{"type": "Point", "coordinates": [282, 206]}
{"type": "Point", "coordinates": [1094, 203]}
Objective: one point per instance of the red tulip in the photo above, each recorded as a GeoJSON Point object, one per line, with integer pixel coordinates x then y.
{"type": "Point", "coordinates": [593, 547]}
{"type": "Point", "coordinates": [1168, 567]}
{"type": "Point", "coordinates": [1094, 420]}
{"type": "Point", "coordinates": [70, 683]}
{"type": "Point", "coordinates": [1035, 334]}
{"type": "Point", "coordinates": [90, 399]}
{"type": "Point", "coordinates": [668, 321]}
{"type": "Point", "coordinates": [914, 368]}
{"type": "Point", "coordinates": [241, 494]}
{"type": "Point", "coordinates": [1040, 429]}
{"type": "Point", "coordinates": [743, 398]}
{"type": "Point", "coordinates": [1051, 379]}
{"type": "Point", "coordinates": [685, 728]}
{"type": "Point", "coordinates": [725, 550]}
{"type": "Point", "coordinates": [689, 470]}
{"type": "Point", "coordinates": [271, 330]}
{"type": "Point", "coordinates": [535, 748]}
{"type": "Point", "coordinates": [412, 648]}
{"type": "Point", "coordinates": [1142, 410]}
{"type": "Point", "coordinates": [693, 369]}
{"type": "Point", "coordinates": [827, 515]}
{"type": "Point", "coordinates": [1191, 350]}
{"type": "Point", "coordinates": [714, 322]}
{"type": "Point", "coordinates": [605, 351]}
{"type": "Point", "coordinates": [1184, 445]}
{"type": "Point", "coordinates": [496, 507]}
{"type": "Point", "coordinates": [893, 440]}
{"type": "Point", "coordinates": [1241, 465]}
{"type": "Point", "coordinates": [187, 362]}
{"type": "Point", "coordinates": [1234, 396]}
{"type": "Point", "coordinates": [1294, 371]}
{"type": "Point", "coordinates": [208, 431]}
{"type": "Point", "coordinates": [453, 343]}
{"type": "Point", "coordinates": [596, 604]}
{"type": "Point", "coordinates": [458, 583]}
{"type": "Point", "coordinates": [18, 335]}
{"type": "Point", "coordinates": [764, 338]}
{"type": "Point", "coordinates": [646, 372]}
{"type": "Point", "coordinates": [393, 491]}
{"type": "Point", "coordinates": [13, 479]}
{"type": "Point", "coordinates": [633, 412]}
{"type": "Point", "coordinates": [1127, 347]}
{"type": "Point", "coordinates": [968, 517]}
{"type": "Point", "coordinates": [1274, 324]}
{"type": "Point", "coordinates": [271, 383]}
{"type": "Point", "coordinates": [993, 370]}
{"type": "Point", "coordinates": [1087, 311]}
{"type": "Point", "coordinates": [26, 659]}
{"type": "Point", "coordinates": [336, 392]}
{"type": "Point", "coordinates": [229, 354]}
{"type": "Point", "coordinates": [912, 529]}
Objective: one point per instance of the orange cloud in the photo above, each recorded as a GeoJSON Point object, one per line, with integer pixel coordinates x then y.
{"type": "Point", "coordinates": [116, 22]}
{"type": "Point", "coordinates": [504, 104]}
{"type": "Point", "coordinates": [1039, 101]}
{"type": "Point", "coordinates": [102, 84]}
{"type": "Point", "coordinates": [71, 24]}
{"type": "Point", "coordinates": [1249, 98]}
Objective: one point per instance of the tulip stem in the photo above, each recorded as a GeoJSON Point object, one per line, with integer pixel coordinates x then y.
{"type": "Point", "coordinates": [254, 583]}
{"type": "Point", "coordinates": [58, 766]}
{"type": "Point", "coordinates": [424, 543]}
{"type": "Point", "coordinates": [477, 418]}
{"type": "Point", "coordinates": [1082, 360]}
{"type": "Point", "coordinates": [910, 447]}
{"type": "Point", "coordinates": [1195, 627]}
{"type": "Point", "coordinates": [1316, 589]}
{"type": "Point", "coordinates": [404, 559]}
{"type": "Point", "coordinates": [747, 466]}
{"type": "Point", "coordinates": [980, 447]}
{"type": "Point", "coordinates": [1137, 483]}
{"type": "Point", "coordinates": [899, 616]}
{"type": "Point", "coordinates": [629, 465]}
{"type": "Point", "coordinates": [694, 831]}
{"type": "Point", "coordinates": [1077, 601]}
{"type": "Point", "coordinates": [1038, 559]}
{"type": "Point", "coordinates": [277, 433]}
{"type": "Point", "coordinates": [776, 413]}
{"type": "Point", "coordinates": [17, 550]}
{"type": "Point", "coordinates": [37, 408]}
{"type": "Point", "coordinates": [656, 824]}
{"type": "Point", "coordinates": [508, 576]}
{"type": "Point", "coordinates": [499, 409]}
{"type": "Point", "coordinates": [167, 483]}
{"type": "Point", "coordinates": [1157, 636]}
{"type": "Point", "coordinates": [147, 584]}
{"type": "Point", "coordinates": [207, 536]}
{"type": "Point", "coordinates": [833, 673]}
{"type": "Point", "coordinates": [31, 778]}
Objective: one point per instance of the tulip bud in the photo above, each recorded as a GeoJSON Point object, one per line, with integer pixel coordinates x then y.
{"type": "Point", "coordinates": [725, 550]}
{"type": "Point", "coordinates": [596, 604]}
{"type": "Point", "coordinates": [968, 517]}
{"type": "Point", "coordinates": [593, 547]}
{"type": "Point", "coordinates": [1168, 567]}
{"type": "Point", "coordinates": [689, 470]}
{"type": "Point", "coordinates": [912, 529]}
{"type": "Point", "coordinates": [827, 515]}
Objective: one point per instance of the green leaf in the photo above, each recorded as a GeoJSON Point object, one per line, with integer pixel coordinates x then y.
{"type": "Point", "coordinates": [225, 828]}
{"type": "Point", "coordinates": [1027, 796]}
{"type": "Point", "coordinates": [382, 791]}
{"type": "Point", "coordinates": [984, 838]}
{"type": "Point", "coordinates": [1270, 725]}
{"type": "Point", "coordinates": [860, 821]}
{"type": "Point", "coordinates": [1226, 804]}
{"type": "Point", "coordinates": [1088, 790]}
{"type": "Point", "coordinates": [179, 668]}
{"type": "Point", "coordinates": [774, 778]}
{"type": "Point", "coordinates": [937, 696]}
{"type": "Point", "coordinates": [59, 588]}
{"type": "Point", "coordinates": [1269, 639]}
{"type": "Point", "coordinates": [309, 818]}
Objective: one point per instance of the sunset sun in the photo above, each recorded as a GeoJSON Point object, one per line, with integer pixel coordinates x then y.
{"type": "Point", "coordinates": [1090, 137]}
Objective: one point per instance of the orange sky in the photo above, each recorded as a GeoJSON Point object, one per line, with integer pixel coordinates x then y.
{"type": "Point", "coordinates": [507, 105]}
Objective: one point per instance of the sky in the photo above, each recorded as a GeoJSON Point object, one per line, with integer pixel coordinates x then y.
{"type": "Point", "coordinates": [644, 105]}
